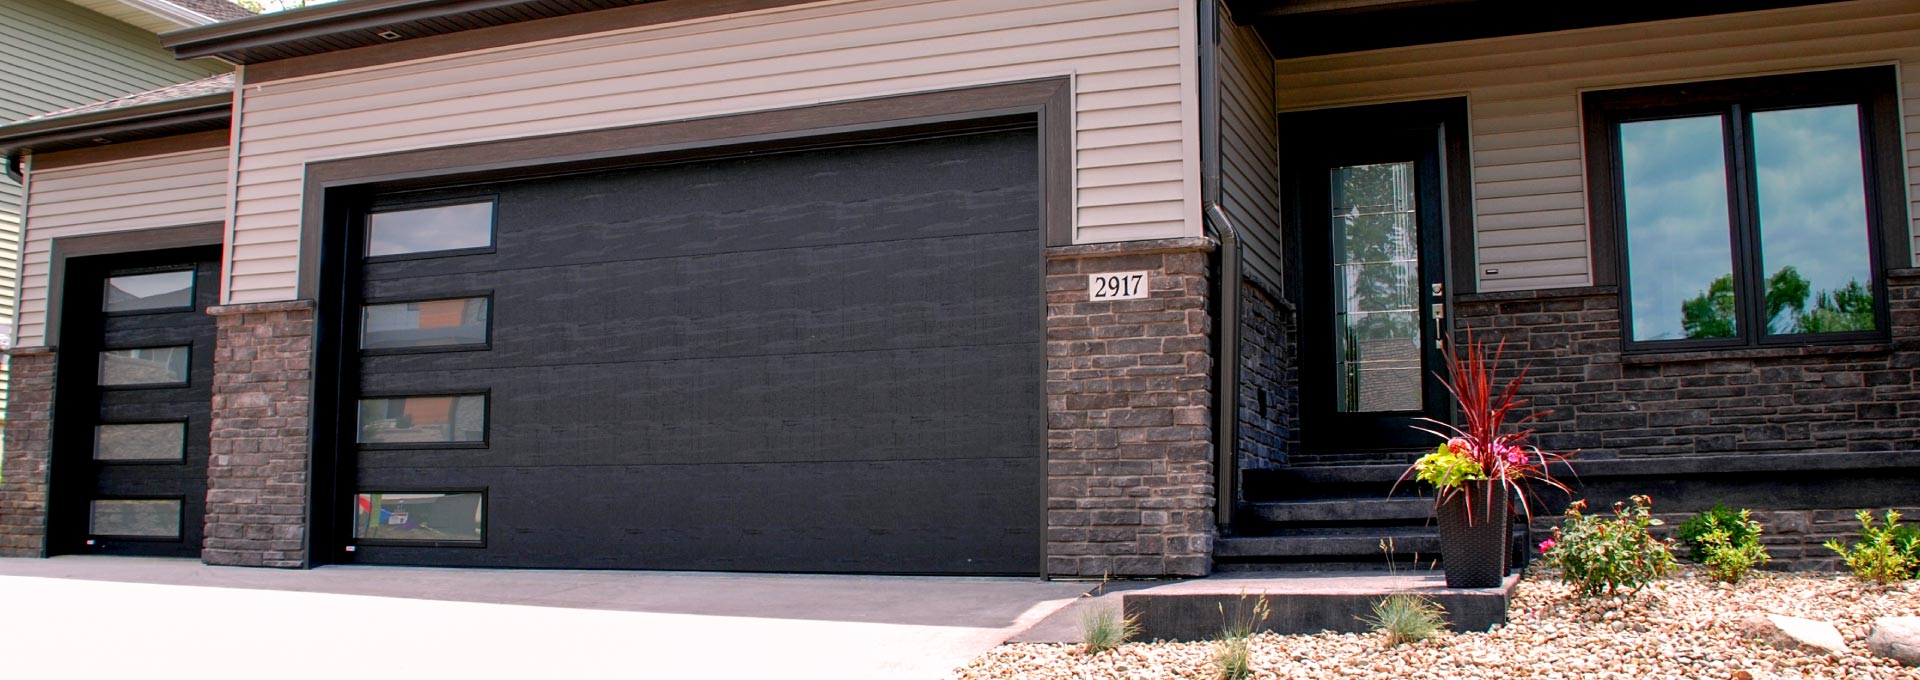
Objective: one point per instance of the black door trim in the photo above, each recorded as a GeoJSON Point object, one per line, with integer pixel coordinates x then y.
{"type": "Point", "coordinates": [865, 120]}
{"type": "Point", "coordinates": [67, 247]}
{"type": "Point", "coordinates": [1314, 136]}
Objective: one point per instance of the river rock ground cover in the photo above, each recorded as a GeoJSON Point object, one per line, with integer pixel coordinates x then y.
{"type": "Point", "coordinates": [1682, 627]}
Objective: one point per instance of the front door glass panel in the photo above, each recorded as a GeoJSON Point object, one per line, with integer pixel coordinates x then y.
{"type": "Point", "coordinates": [1377, 325]}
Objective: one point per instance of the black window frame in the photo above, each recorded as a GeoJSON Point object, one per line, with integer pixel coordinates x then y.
{"type": "Point", "coordinates": [1875, 90]}
{"type": "Point", "coordinates": [185, 423]}
{"type": "Point", "coordinates": [493, 228]}
{"type": "Point", "coordinates": [193, 290]}
{"type": "Point", "coordinates": [100, 371]}
{"type": "Point", "coordinates": [180, 531]}
{"type": "Point", "coordinates": [485, 344]}
{"type": "Point", "coordinates": [486, 420]}
{"type": "Point", "coordinates": [486, 517]}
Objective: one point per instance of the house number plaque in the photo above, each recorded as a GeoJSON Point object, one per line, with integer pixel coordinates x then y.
{"type": "Point", "coordinates": [1117, 286]}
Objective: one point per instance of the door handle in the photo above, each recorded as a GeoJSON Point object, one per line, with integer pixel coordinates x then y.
{"type": "Point", "coordinates": [1439, 324]}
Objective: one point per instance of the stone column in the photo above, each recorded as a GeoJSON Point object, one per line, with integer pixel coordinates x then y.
{"type": "Point", "coordinates": [29, 452]}
{"type": "Point", "coordinates": [258, 476]}
{"type": "Point", "coordinates": [1130, 485]}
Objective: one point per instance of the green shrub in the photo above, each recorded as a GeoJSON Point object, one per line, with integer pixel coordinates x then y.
{"type": "Point", "coordinates": [1730, 561]}
{"type": "Point", "coordinates": [1601, 555]}
{"type": "Point", "coordinates": [1884, 554]}
{"type": "Point", "coordinates": [1106, 629]}
{"type": "Point", "coordinates": [1737, 524]}
{"type": "Point", "coordinates": [1405, 617]}
{"type": "Point", "coordinates": [1726, 540]}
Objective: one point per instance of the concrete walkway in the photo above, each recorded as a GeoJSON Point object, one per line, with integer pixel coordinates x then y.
{"type": "Point", "coordinates": [96, 617]}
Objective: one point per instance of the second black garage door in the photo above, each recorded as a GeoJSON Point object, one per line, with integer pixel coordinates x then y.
{"type": "Point", "coordinates": [821, 360]}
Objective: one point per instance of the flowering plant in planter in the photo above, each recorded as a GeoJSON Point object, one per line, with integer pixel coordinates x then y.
{"type": "Point", "coordinates": [1485, 447]}
{"type": "Point", "coordinates": [1480, 466]}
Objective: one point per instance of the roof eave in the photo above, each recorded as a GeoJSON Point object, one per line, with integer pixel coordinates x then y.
{"type": "Point", "coordinates": [116, 125]}
{"type": "Point", "coordinates": [214, 40]}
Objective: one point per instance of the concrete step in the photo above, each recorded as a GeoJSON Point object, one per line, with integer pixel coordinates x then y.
{"type": "Point", "coordinates": [1303, 603]}
{"type": "Point", "coordinates": [1383, 511]}
{"type": "Point", "coordinates": [1341, 543]}
{"type": "Point", "coordinates": [1325, 483]}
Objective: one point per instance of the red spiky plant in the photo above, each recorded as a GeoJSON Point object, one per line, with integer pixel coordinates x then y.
{"type": "Point", "coordinates": [1485, 445]}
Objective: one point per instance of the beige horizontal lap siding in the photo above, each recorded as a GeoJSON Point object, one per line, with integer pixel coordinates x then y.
{"type": "Point", "coordinates": [1524, 93]}
{"type": "Point", "coordinates": [1133, 135]}
{"type": "Point", "coordinates": [1249, 151]}
{"type": "Point", "coordinates": [143, 193]}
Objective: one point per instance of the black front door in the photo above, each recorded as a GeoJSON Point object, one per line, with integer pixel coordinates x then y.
{"type": "Point", "coordinates": [133, 403]}
{"type": "Point", "coordinates": [1369, 203]}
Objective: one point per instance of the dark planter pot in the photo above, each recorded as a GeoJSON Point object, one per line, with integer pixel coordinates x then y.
{"type": "Point", "coordinates": [1475, 549]}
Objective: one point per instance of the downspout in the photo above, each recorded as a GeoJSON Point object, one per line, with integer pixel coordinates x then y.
{"type": "Point", "coordinates": [11, 166]}
{"type": "Point", "coordinates": [1226, 276]}
{"type": "Point", "coordinates": [1227, 363]}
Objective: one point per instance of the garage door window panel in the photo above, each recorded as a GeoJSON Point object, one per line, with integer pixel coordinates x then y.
{"type": "Point", "coordinates": [439, 325]}
{"type": "Point", "coordinates": [140, 442]}
{"type": "Point", "coordinates": [431, 518]}
{"type": "Point", "coordinates": [136, 518]}
{"type": "Point", "coordinates": [423, 421]}
{"type": "Point", "coordinates": [440, 229]}
{"type": "Point", "coordinates": [149, 292]}
{"type": "Point", "coordinates": [145, 366]}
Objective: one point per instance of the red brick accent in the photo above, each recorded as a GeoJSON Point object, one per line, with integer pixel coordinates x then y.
{"type": "Point", "coordinates": [257, 479]}
{"type": "Point", "coordinates": [1130, 486]}
{"type": "Point", "coordinates": [29, 450]}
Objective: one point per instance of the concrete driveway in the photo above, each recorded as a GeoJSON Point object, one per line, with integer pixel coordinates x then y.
{"type": "Point", "coordinates": [95, 617]}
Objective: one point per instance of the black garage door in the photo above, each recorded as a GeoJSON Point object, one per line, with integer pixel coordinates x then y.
{"type": "Point", "coordinates": [134, 401]}
{"type": "Point", "coordinates": [821, 360]}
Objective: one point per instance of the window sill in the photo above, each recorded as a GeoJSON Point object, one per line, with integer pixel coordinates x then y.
{"type": "Point", "coordinates": [1651, 358]}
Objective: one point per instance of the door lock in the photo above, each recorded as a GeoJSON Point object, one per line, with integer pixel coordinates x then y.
{"type": "Point", "coordinates": [1439, 322]}
{"type": "Point", "coordinates": [1439, 289]}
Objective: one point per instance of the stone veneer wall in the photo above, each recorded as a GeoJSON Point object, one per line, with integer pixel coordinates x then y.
{"type": "Point", "coordinates": [1269, 379]}
{"type": "Point", "coordinates": [1788, 399]}
{"type": "Point", "coordinates": [1857, 404]}
{"type": "Point", "coordinates": [257, 478]}
{"type": "Point", "coordinates": [1130, 485]}
{"type": "Point", "coordinates": [29, 451]}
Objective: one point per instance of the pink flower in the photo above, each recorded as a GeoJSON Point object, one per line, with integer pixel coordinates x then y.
{"type": "Point", "coordinates": [1547, 545]}
{"type": "Point", "coordinates": [1460, 446]}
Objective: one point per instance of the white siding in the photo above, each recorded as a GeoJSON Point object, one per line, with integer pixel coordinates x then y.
{"type": "Point", "coordinates": [1250, 150]}
{"type": "Point", "coordinates": [1133, 131]}
{"type": "Point", "coordinates": [144, 193]}
{"type": "Point", "coordinates": [1530, 199]}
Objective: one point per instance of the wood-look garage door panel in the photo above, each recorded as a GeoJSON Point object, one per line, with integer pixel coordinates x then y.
{"type": "Point", "coordinates": [826, 360]}
{"type": "Point", "coordinates": [922, 293]}
{"type": "Point", "coordinates": [909, 517]}
{"type": "Point", "coordinates": [893, 405]}
{"type": "Point", "coordinates": [983, 184]}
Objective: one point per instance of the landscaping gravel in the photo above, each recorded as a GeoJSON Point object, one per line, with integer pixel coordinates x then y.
{"type": "Point", "coordinates": [1683, 627]}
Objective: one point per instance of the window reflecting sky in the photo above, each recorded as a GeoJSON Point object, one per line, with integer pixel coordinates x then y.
{"type": "Point", "coordinates": [1675, 181]}
{"type": "Point", "coordinates": [1813, 200]}
{"type": "Point", "coordinates": [447, 227]}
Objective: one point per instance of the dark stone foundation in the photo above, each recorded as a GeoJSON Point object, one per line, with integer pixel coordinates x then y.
{"type": "Point", "coordinates": [1130, 485]}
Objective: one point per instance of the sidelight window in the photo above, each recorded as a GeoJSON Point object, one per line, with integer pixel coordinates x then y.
{"type": "Point", "coordinates": [1746, 212]}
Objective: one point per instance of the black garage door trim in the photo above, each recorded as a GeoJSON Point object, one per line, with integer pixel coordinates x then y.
{"type": "Point", "coordinates": [345, 188]}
